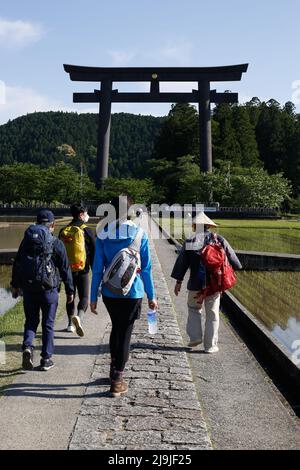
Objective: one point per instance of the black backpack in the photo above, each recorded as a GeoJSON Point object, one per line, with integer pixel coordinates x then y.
{"type": "Point", "coordinates": [37, 268]}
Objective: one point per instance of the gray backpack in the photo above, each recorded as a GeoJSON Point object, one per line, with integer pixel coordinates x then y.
{"type": "Point", "coordinates": [122, 271]}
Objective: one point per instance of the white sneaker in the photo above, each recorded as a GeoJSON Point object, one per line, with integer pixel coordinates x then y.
{"type": "Point", "coordinates": [70, 329]}
{"type": "Point", "coordinates": [213, 349]}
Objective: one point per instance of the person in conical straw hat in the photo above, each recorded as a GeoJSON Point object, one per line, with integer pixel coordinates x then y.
{"type": "Point", "coordinates": [189, 258]}
{"type": "Point", "coordinates": [202, 219]}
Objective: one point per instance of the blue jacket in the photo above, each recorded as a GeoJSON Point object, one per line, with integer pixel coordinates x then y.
{"type": "Point", "coordinates": [108, 247]}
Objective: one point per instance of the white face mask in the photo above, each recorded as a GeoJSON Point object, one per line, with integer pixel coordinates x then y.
{"type": "Point", "coordinates": [86, 218]}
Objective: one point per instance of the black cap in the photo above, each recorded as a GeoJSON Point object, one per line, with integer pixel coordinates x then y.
{"type": "Point", "coordinates": [45, 216]}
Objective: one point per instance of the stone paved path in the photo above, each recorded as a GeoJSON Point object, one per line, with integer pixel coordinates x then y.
{"type": "Point", "coordinates": [161, 409]}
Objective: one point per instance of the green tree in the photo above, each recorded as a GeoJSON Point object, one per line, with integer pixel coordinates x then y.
{"type": "Point", "coordinates": [246, 138]}
{"type": "Point", "coordinates": [227, 146]}
{"type": "Point", "coordinates": [141, 190]}
{"type": "Point", "coordinates": [179, 134]}
{"type": "Point", "coordinates": [257, 188]}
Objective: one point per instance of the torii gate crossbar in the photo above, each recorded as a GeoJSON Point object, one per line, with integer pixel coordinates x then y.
{"type": "Point", "coordinates": [106, 95]}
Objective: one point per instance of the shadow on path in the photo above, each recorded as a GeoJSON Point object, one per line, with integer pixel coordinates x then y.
{"type": "Point", "coordinates": [48, 390]}
{"type": "Point", "coordinates": [159, 347]}
{"type": "Point", "coordinates": [64, 350]}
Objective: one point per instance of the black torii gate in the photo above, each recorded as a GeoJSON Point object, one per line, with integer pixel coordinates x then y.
{"type": "Point", "coordinates": [204, 96]}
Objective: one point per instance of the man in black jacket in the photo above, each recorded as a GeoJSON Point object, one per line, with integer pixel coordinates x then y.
{"type": "Point", "coordinates": [45, 299]}
{"type": "Point", "coordinates": [189, 259]}
{"type": "Point", "coordinates": [81, 277]}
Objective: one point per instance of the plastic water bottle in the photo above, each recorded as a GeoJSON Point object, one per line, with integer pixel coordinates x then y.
{"type": "Point", "coordinates": [152, 322]}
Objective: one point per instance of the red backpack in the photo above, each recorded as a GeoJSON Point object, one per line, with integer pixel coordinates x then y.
{"type": "Point", "coordinates": [220, 271]}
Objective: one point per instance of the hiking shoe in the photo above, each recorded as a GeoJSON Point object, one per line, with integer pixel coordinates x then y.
{"type": "Point", "coordinates": [46, 364]}
{"type": "Point", "coordinates": [193, 344]}
{"type": "Point", "coordinates": [77, 323]}
{"type": "Point", "coordinates": [213, 349]}
{"type": "Point", "coordinates": [118, 387]}
{"type": "Point", "coordinates": [27, 362]}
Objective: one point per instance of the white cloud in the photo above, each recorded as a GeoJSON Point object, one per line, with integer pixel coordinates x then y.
{"type": "Point", "coordinates": [178, 51]}
{"type": "Point", "coordinates": [19, 33]}
{"type": "Point", "coordinates": [2, 92]}
{"type": "Point", "coordinates": [20, 101]}
{"type": "Point", "coordinates": [121, 58]}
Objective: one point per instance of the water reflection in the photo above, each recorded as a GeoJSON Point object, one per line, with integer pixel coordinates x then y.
{"type": "Point", "coordinates": [288, 335]}
{"type": "Point", "coordinates": [6, 300]}
{"type": "Point", "coordinates": [11, 234]}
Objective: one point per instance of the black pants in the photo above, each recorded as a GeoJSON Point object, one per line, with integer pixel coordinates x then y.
{"type": "Point", "coordinates": [123, 313]}
{"type": "Point", "coordinates": [81, 284]}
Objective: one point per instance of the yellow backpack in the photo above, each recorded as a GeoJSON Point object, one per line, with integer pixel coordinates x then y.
{"type": "Point", "coordinates": [73, 239]}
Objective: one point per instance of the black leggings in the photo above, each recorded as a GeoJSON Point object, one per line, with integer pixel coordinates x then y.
{"type": "Point", "coordinates": [81, 283]}
{"type": "Point", "coordinates": [123, 313]}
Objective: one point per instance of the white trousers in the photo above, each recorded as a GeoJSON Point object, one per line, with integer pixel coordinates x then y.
{"type": "Point", "coordinates": [210, 306]}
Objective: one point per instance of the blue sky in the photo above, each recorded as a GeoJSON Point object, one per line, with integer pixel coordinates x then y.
{"type": "Point", "coordinates": [37, 37]}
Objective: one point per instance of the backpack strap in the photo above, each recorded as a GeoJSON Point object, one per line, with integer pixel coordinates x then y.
{"type": "Point", "coordinates": [136, 244]}
{"type": "Point", "coordinates": [212, 237]}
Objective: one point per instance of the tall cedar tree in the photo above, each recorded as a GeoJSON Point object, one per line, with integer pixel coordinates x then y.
{"type": "Point", "coordinates": [179, 134]}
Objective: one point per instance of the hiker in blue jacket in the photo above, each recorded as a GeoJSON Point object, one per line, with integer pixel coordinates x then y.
{"type": "Point", "coordinates": [41, 286]}
{"type": "Point", "coordinates": [123, 310]}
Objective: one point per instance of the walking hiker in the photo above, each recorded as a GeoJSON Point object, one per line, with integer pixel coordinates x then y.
{"type": "Point", "coordinates": [198, 303]}
{"type": "Point", "coordinates": [40, 264]}
{"type": "Point", "coordinates": [79, 241]}
{"type": "Point", "coordinates": [123, 265]}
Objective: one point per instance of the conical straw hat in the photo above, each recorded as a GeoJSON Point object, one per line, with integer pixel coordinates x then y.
{"type": "Point", "coordinates": [202, 219]}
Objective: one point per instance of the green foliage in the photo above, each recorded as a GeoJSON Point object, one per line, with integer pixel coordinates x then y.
{"type": "Point", "coordinates": [142, 191]}
{"type": "Point", "coordinates": [48, 138]}
{"type": "Point", "coordinates": [253, 187]}
{"type": "Point", "coordinates": [256, 188]}
{"type": "Point", "coordinates": [28, 184]}
{"type": "Point", "coordinates": [62, 184]}
{"type": "Point", "coordinates": [179, 134]}
{"type": "Point", "coordinates": [155, 159]}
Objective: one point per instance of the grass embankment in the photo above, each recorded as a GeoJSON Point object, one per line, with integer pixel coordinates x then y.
{"type": "Point", "coordinates": [11, 332]}
{"type": "Point", "coordinates": [276, 236]}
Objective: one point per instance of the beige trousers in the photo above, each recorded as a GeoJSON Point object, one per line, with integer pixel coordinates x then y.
{"type": "Point", "coordinates": [210, 306]}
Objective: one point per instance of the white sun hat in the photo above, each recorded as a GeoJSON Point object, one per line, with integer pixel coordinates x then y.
{"type": "Point", "coordinates": [202, 219]}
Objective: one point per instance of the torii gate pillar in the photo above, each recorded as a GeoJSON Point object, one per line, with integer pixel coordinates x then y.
{"type": "Point", "coordinates": [205, 126]}
{"type": "Point", "coordinates": [104, 132]}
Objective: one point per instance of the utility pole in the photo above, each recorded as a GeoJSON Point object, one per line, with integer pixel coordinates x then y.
{"type": "Point", "coordinates": [81, 181]}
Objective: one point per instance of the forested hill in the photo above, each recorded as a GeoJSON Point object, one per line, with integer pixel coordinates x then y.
{"type": "Point", "coordinates": [48, 137]}
{"type": "Point", "coordinates": [251, 135]}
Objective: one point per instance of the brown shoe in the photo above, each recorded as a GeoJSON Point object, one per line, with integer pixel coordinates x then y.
{"type": "Point", "coordinates": [118, 387]}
